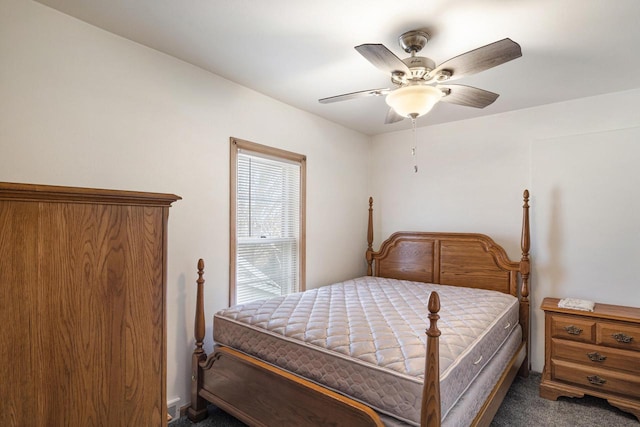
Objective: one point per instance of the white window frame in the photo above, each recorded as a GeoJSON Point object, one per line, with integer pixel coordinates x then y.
{"type": "Point", "coordinates": [237, 146]}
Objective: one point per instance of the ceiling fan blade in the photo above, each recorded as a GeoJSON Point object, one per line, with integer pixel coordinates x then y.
{"type": "Point", "coordinates": [353, 95]}
{"type": "Point", "coordinates": [468, 96]}
{"type": "Point", "coordinates": [383, 58]}
{"type": "Point", "coordinates": [392, 117]}
{"type": "Point", "coordinates": [480, 59]}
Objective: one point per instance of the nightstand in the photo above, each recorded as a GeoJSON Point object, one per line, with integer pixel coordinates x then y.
{"type": "Point", "coordinates": [592, 352]}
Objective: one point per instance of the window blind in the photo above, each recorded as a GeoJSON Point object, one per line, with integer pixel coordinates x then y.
{"type": "Point", "coordinates": [267, 227]}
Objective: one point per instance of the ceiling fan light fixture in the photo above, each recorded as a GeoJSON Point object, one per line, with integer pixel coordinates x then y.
{"type": "Point", "coordinates": [413, 101]}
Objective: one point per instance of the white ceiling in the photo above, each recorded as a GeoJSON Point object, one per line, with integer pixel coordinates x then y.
{"type": "Point", "coordinates": [298, 51]}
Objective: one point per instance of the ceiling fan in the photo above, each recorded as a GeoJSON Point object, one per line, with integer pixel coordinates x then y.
{"type": "Point", "coordinates": [418, 82]}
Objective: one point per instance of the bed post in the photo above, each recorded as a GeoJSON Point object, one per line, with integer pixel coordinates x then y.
{"type": "Point", "coordinates": [525, 244]}
{"type": "Point", "coordinates": [430, 413]}
{"type": "Point", "coordinates": [369, 254]}
{"type": "Point", "coordinates": [198, 409]}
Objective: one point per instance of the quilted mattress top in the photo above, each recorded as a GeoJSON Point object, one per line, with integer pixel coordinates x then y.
{"type": "Point", "coordinates": [377, 325]}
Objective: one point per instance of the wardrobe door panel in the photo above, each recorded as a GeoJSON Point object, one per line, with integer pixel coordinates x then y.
{"type": "Point", "coordinates": [81, 303]}
{"type": "Point", "coordinates": [144, 327]}
{"type": "Point", "coordinates": [82, 288]}
{"type": "Point", "coordinates": [18, 279]}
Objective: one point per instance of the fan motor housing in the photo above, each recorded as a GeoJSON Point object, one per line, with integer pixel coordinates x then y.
{"type": "Point", "coordinates": [419, 66]}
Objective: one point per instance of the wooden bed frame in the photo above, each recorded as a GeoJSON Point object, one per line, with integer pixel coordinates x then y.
{"type": "Point", "coordinates": [260, 394]}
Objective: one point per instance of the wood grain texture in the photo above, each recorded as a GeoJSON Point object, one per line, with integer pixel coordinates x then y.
{"type": "Point", "coordinates": [456, 259]}
{"type": "Point", "coordinates": [595, 355]}
{"type": "Point", "coordinates": [18, 257]}
{"type": "Point", "coordinates": [572, 328]}
{"type": "Point", "coordinates": [601, 311]}
{"type": "Point", "coordinates": [243, 380]}
{"type": "Point", "coordinates": [480, 59]}
{"type": "Point", "coordinates": [369, 237]}
{"type": "Point", "coordinates": [618, 335]}
{"type": "Point", "coordinates": [431, 409]}
{"type": "Point", "coordinates": [53, 193]}
{"type": "Point", "coordinates": [198, 409]}
{"type": "Point", "coordinates": [144, 318]}
{"type": "Point", "coordinates": [468, 96]}
{"type": "Point", "coordinates": [94, 303]}
{"type": "Point", "coordinates": [592, 353]}
{"type": "Point", "coordinates": [598, 379]}
{"type": "Point", "coordinates": [76, 324]}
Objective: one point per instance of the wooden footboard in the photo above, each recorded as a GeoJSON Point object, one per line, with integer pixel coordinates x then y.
{"type": "Point", "coordinates": [260, 394]}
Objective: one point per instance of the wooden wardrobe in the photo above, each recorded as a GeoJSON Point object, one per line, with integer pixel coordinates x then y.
{"type": "Point", "coordinates": [82, 297]}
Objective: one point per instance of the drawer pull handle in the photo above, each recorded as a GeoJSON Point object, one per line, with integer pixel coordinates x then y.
{"type": "Point", "coordinates": [596, 357]}
{"type": "Point", "coordinates": [622, 338]}
{"type": "Point", "coordinates": [573, 330]}
{"type": "Point", "coordinates": [596, 380]}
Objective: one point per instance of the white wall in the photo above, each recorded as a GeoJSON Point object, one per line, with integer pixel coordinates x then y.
{"type": "Point", "coordinates": [579, 160]}
{"type": "Point", "coordinates": [83, 107]}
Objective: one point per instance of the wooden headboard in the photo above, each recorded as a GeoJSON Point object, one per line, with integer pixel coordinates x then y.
{"type": "Point", "coordinates": [457, 259]}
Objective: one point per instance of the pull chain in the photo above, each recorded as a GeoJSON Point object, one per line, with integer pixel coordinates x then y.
{"type": "Point", "coordinates": [414, 148]}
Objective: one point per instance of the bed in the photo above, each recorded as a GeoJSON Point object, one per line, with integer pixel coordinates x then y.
{"type": "Point", "coordinates": [354, 354]}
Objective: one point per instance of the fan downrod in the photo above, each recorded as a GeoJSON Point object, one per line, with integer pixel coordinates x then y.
{"type": "Point", "coordinates": [413, 41]}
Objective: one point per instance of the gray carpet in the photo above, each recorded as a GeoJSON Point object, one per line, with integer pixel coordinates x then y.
{"type": "Point", "coordinates": [521, 407]}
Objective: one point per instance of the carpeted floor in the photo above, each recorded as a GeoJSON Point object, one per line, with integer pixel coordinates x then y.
{"type": "Point", "coordinates": [522, 407]}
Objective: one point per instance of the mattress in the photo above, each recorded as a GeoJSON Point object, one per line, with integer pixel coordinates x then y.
{"type": "Point", "coordinates": [365, 338]}
{"type": "Point", "coordinates": [464, 411]}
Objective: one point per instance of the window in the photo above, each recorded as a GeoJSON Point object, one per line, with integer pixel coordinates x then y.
{"type": "Point", "coordinates": [267, 250]}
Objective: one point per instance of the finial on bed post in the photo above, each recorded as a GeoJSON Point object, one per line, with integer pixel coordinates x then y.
{"type": "Point", "coordinates": [525, 268]}
{"type": "Point", "coordinates": [198, 409]}
{"type": "Point", "coordinates": [369, 254]}
{"type": "Point", "coordinates": [430, 414]}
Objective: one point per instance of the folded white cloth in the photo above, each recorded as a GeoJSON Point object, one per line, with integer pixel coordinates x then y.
{"type": "Point", "coordinates": [576, 304]}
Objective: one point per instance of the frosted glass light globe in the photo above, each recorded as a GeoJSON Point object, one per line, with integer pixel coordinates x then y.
{"type": "Point", "coordinates": [413, 101]}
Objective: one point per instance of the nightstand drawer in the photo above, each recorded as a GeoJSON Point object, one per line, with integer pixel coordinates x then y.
{"type": "Point", "coordinates": [618, 335]}
{"type": "Point", "coordinates": [596, 356]}
{"type": "Point", "coordinates": [603, 380]}
{"type": "Point", "coordinates": [573, 328]}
